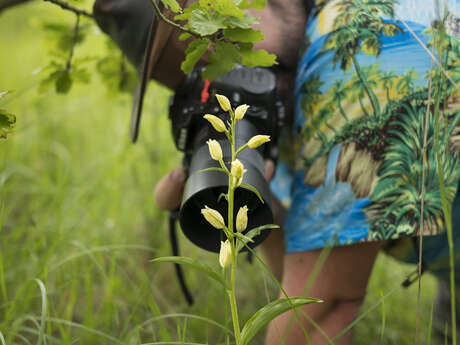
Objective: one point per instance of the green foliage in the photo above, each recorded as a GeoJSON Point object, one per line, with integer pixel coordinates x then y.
{"type": "Point", "coordinates": [7, 120]}
{"type": "Point", "coordinates": [61, 35]}
{"type": "Point", "coordinates": [115, 72]}
{"type": "Point", "coordinates": [193, 54]}
{"type": "Point", "coordinates": [257, 4]}
{"type": "Point", "coordinates": [205, 23]}
{"type": "Point", "coordinates": [172, 5]}
{"type": "Point", "coordinates": [64, 70]}
{"type": "Point", "coordinates": [243, 35]}
{"type": "Point", "coordinates": [208, 21]}
{"type": "Point", "coordinates": [259, 57]}
{"type": "Point", "coordinates": [62, 77]}
{"type": "Point", "coordinates": [224, 59]}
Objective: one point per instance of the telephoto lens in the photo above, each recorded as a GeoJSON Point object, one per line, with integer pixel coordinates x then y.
{"type": "Point", "coordinates": [255, 87]}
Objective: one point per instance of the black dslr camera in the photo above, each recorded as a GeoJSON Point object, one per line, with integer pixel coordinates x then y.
{"type": "Point", "coordinates": [195, 98]}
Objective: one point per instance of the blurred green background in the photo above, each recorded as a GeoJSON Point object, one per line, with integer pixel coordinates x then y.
{"type": "Point", "coordinates": [77, 212]}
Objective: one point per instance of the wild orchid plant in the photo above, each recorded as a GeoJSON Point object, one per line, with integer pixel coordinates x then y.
{"type": "Point", "coordinates": [235, 239]}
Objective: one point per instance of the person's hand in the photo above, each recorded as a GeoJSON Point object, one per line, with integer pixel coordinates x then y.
{"type": "Point", "coordinates": [169, 190]}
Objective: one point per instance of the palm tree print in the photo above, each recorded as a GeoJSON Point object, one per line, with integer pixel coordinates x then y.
{"type": "Point", "coordinates": [396, 200]}
{"type": "Point", "coordinates": [406, 83]}
{"type": "Point", "coordinates": [311, 92]}
{"type": "Point", "coordinates": [358, 28]}
{"type": "Point", "coordinates": [339, 91]}
{"type": "Point", "coordinates": [388, 81]}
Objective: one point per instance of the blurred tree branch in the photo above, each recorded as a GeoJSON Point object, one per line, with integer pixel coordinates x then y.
{"type": "Point", "coordinates": [71, 8]}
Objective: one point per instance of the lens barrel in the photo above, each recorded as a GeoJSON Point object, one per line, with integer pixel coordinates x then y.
{"type": "Point", "coordinates": [205, 188]}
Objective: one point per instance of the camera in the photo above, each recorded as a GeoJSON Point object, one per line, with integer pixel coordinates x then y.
{"type": "Point", "coordinates": [195, 98]}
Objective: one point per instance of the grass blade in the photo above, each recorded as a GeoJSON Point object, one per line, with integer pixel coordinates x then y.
{"type": "Point", "coordinates": [172, 343]}
{"type": "Point", "coordinates": [430, 326]}
{"type": "Point", "coordinates": [267, 313]}
{"type": "Point", "coordinates": [41, 335]}
{"type": "Point", "coordinates": [87, 329]}
{"type": "Point", "coordinates": [382, 332]}
{"type": "Point", "coordinates": [195, 264]}
{"type": "Point", "coordinates": [2, 339]}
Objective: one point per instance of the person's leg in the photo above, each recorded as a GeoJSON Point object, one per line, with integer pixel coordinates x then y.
{"type": "Point", "coordinates": [273, 252]}
{"type": "Point", "coordinates": [341, 283]}
{"type": "Point", "coordinates": [273, 248]}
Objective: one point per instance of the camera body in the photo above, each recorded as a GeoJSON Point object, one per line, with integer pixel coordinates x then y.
{"type": "Point", "coordinates": [255, 87]}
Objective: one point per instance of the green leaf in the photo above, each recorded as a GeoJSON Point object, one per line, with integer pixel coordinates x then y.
{"type": "Point", "coordinates": [244, 23]}
{"type": "Point", "coordinates": [194, 52]}
{"type": "Point", "coordinates": [252, 188]}
{"type": "Point", "coordinates": [267, 313]}
{"type": "Point", "coordinates": [253, 233]}
{"type": "Point", "coordinates": [7, 122]}
{"type": "Point", "coordinates": [221, 61]}
{"type": "Point", "coordinates": [212, 169]}
{"type": "Point", "coordinates": [81, 75]}
{"type": "Point", "coordinates": [227, 8]}
{"type": "Point", "coordinates": [205, 23]}
{"type": "Point", "coordinates": [63, 82]}
{"type": "Point", "coordinates": [243, 35]}
{"type": "Point", "coordinates": [260, 57]}
{"type": "Point", "coordinates": [173, 5]}
{"type": "Point", "coordinates": [244, 239]}
{"type": "Point", "coordinates": [257, 4]}
{"type": "Point", "coordinates": [195, 264]}
{"type": "Point", "coordinates": [187, 14]}
{"type": "Point", "coordinates": [222, 195]}
{"type": "Point", "coordinates": [185, 36]}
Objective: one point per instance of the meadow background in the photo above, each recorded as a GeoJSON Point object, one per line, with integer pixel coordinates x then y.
{"type": "Point", "coordinates": [77, 212]}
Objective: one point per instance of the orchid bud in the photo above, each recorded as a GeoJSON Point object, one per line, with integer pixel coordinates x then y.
{"type": "Point", "coordinates": [238, 169]}
{"type": "Point", "coordinates": [240, 111]}
{"type": "Point", "coordinates": [214, 149]}
{"type": "Point", "coordinates": [213, 217]}
{"type": "Point", "coordinates": [258, 140]}
{"type": "Point", "coordinates": [242, 219]}
{"type": "Point", "coordinates": [224, 102]}
{"type": "Point", "coordinates": [217, 123]}
{"type": "Point", "coordinates": [225, 254]}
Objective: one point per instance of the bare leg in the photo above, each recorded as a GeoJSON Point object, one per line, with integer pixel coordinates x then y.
{"type": "Point", "coordinates": [341, 283]}
{"type": "Point", "coordinates": [273, 247]}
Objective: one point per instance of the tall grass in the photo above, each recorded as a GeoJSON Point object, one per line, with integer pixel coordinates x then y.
{"type": "Point", "coordinates": [77, 214]}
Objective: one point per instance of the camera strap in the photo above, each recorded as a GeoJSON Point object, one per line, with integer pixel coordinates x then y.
{"type": "Point", "coordinates": [155, 50]}
{"type": "Point", "coordinates": [173, 217]}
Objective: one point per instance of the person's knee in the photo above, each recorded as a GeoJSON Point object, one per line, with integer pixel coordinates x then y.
{"type": "Point", "coordinates": [346, 310]}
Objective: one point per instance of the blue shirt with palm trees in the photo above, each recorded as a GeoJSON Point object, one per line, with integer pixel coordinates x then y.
{"type": "Point", "coordinates": [376, 128]}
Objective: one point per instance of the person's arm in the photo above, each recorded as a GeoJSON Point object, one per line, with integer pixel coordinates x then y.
{"type": "Point", "coordinates": [127, 22]}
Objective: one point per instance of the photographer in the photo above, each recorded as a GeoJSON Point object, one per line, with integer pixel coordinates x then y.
{"type": "Point", "coordinates": [342, 111]}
